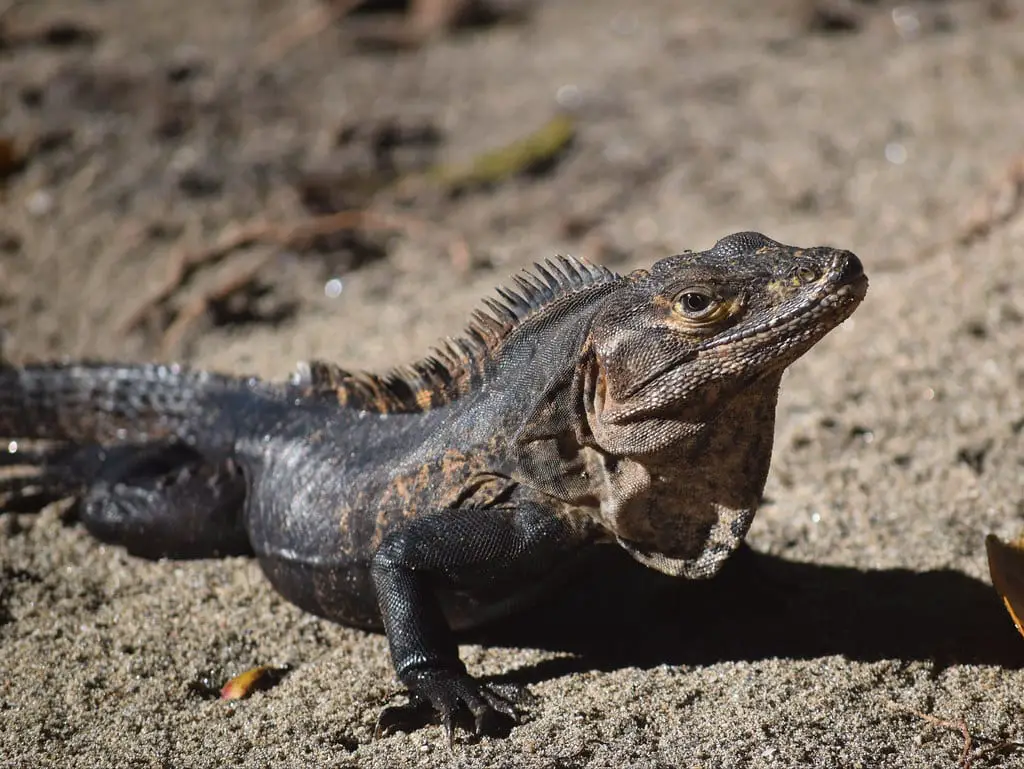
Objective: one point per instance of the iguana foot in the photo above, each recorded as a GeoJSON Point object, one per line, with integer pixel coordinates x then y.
{"type": "Point", "coordinates": [452, 695]}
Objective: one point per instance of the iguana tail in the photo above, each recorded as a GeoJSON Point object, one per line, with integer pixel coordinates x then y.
{"type": "Point", "coordinates": [108, 404]}
{"type": "Point", "coordinates": [147, 450]}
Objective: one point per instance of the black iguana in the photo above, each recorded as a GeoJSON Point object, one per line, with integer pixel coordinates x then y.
{"type": "Point", "coordinates": [582, 407]}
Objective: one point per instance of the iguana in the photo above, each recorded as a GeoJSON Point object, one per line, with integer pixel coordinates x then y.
{"type": "Point", "coordinates": [581, 407]}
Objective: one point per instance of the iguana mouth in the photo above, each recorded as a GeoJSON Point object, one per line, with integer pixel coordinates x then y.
{"type": "Point", "coordinates": [837, 294]}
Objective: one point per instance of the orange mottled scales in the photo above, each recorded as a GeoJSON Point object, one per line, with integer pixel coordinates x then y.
{"type": "Point", "coordinates": [580, 408]}
{"type": "Point", "coordinates": [455, 480]}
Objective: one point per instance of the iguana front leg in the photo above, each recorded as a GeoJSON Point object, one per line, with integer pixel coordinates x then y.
{"type": "Point", "coordinates": [492, 553]}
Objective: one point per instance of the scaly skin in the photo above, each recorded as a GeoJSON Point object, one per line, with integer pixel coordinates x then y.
{"type": "Point", "coordinates": [583, 408]}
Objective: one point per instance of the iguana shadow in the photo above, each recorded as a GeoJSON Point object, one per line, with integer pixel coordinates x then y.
{"type": "Point", "coordinates": [616, 613]}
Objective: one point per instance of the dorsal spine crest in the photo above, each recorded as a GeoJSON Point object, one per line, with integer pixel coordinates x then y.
{"type": "Point", "coordinates": [457, 364]}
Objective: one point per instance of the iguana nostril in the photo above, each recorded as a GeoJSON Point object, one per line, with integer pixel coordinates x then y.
{"type": "Point", "coordinates": [851, 269]}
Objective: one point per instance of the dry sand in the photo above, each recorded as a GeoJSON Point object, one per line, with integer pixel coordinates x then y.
{"type": "Point", "coordinates": [864, 595]}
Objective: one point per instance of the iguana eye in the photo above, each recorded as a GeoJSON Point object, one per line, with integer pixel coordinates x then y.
{"type": "Point", "coordinates": [806, 274]}
{"type": "Point", "coordinates": [696, 304]}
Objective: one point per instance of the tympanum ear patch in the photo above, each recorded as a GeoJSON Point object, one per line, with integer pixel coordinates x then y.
{"type": "Point", "coordinates": [1006, 565]}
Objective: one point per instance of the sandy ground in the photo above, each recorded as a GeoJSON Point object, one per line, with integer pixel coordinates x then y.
{"type": "Point", "coordinates": [864, 597]}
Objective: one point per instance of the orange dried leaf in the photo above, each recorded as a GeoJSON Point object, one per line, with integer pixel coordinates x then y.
{"type": "Point", "coordinates": [11, 158]}
{"type": "Point", "coordinates": [244, 684]}
{"type": "Point", "coordinates": [1006, 565]}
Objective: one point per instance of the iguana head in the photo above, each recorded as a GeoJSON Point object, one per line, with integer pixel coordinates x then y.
{"type": "Point", "coordinates": [699, 325]}
{"type": "Point", "coordinates": [691, 351]}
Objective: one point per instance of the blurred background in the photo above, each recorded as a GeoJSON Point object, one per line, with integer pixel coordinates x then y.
{"type": "Point", "coordinates": [251, 178]}
{"type": "Point", "coordinates": [243, 184]}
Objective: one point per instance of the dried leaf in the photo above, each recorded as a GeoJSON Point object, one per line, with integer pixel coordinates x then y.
{"type": "Point", "coordinates": [12, 159]}
{"type": "Point", "coordinates": [1006, 565]}
{"type": "Point", "coordinates": [244, 684]}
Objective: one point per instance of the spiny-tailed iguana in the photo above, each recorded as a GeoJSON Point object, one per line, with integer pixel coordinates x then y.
{"type": "Point", "coordinates": [581, 407]}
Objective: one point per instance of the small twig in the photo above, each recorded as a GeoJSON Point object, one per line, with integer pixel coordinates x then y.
{"type": "Point", "coordinates": [198, 307]}
{"type": "Point", "coordinates": [957, 726]}
{"type": "Point", "coordinates": [185, 263]}
{"type": "Point", "coordinates": [966, 759]}
{"type": "Point", "coordinates": [423, 21]}
{"type": "Point", "coordinates": [6, 8]}
{"type": "Point", "coordinates": [997, 206]}
{"type": "Point", "coordinates": [306, 26]}
{"type": "Point", "coordinates": [236, 236]}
